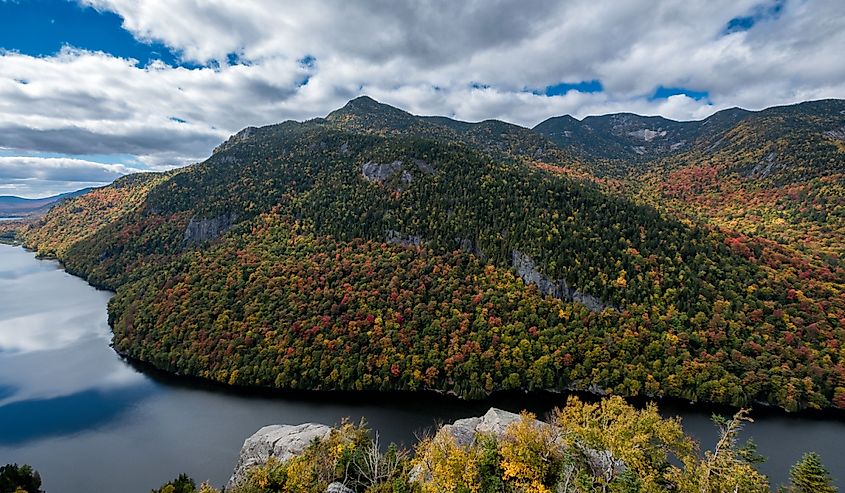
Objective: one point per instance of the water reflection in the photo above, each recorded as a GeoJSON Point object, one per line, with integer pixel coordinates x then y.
{"type": "Point", "coordinates": [31, 420]}
{"type": "Point", "coordinates": [87, 363]}
{"type": "Point", "coordinates": [53, 333]}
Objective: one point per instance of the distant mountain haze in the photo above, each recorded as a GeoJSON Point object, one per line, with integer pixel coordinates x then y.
{"type": "Point", "coordinates": [11, 206]}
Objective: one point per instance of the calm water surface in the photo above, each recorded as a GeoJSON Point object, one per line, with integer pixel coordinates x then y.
{"type": "Point", "coordinates": [89, 421]}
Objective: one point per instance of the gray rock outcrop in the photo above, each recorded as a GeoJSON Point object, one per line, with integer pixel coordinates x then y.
{"type": "Point", "coordinates": [381, 172]}
{"type": "Point", "coordinates": [766, 166]}
{"type": "Point", "coordinates": [496, 421]}
{"type": "Point", "coordinates": [201, 230]}
{"type": "Point", "coordinates": [397, 238]}
{"type": "Point", "coordinates": [558, 288]}
{"type": "Point", "coordinates": [236, 139]}
{"type": "Point", "coordinates": [280, 441]}
{"type": "Point", "coordinates": [647, 134]}
{"type": "Point", "coordinates": [338, 488]}
{"type": "Point", "coordinates": [838, 134]}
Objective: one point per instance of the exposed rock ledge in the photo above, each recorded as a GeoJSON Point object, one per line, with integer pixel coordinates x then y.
{"type": "Point", "coordinates": [280, 441]}
{"type": "Point", "coordinates": [496, 421]}
{"type": "Point", "coordinates": [286, 441]}
{"type": "Point", "coordinates": [382, 172]}
{"type": "Point", "coordinates": [527, 270]}
{"type": "Point", "coordinates": [837, 134]}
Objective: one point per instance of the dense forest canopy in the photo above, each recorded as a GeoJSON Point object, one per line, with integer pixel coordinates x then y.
{"type": "Point", "coordinates": [374, 249]}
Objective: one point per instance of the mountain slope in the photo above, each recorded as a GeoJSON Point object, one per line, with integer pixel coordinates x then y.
{"type": "Point", "coordinates": [374, 249]}
{"type": "Point", "coordinates": [628, 140]}
{"type": "Point", "coordinates": [71, 221]}
{"type": "Point", "coordinates": [777, 174]}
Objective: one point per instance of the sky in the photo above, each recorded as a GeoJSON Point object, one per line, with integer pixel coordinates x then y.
{"type": "Point", "coordinates": [94, 89]}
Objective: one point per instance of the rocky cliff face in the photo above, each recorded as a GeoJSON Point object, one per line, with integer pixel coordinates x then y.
{"type": "Point", "coordinates": [527, 270]}
{"type": "Point", "coordinates": [239, 137]}
{"type": "Point", "coordinates": [381, 172]}
{"type": "Point", "coordinates": [838, 133]}
{"type": "Point", "coordinates": [201, 230]}
{"type": "Point", "coordinates": [766, 167]}
{"type": "Point", "coordinates": [397, 238]}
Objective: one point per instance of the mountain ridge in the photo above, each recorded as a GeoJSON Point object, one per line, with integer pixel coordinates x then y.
{"type": "Point", "coordinates": [280, 258]}
{"type": "Point", "coordinates": [11, 205]}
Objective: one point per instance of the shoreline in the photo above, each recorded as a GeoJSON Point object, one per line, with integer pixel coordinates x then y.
{"type": "Point", "coordinates": [530, 396]}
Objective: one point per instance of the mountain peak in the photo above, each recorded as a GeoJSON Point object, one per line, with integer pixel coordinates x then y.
{"type": "Point", "coordinates": [365, 105]}
{"type": "Point", "coordinates": [363, 100]}
{"type": "Point", "coordinates": [366, 111]}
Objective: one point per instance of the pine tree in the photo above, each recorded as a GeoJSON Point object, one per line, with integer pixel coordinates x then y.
{"type": "Point", "coordinates": [14, 478]}
{"type": "Point", "coordinates": [810, 476]}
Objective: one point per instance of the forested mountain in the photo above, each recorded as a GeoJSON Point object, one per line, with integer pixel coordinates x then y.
{"type": "Point", "coordinates": [374, 249]}
{"type": "Point", "coordinates": [630, 143]}
{"type": "Point", "coordinates": [777, 174]}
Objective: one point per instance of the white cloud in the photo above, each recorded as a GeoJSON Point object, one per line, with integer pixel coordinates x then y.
{"type": "Point", "coordinates": [422, 56]}
{"type": "Point", "coordinates": [31, 176]}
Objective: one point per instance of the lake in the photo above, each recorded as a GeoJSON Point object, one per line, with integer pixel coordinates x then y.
{"type": "Point", "coordinates": [90, 421]}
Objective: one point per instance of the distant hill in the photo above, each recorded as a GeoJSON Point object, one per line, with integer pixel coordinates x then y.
{"type": "Point", "coordinates": [11, 206]}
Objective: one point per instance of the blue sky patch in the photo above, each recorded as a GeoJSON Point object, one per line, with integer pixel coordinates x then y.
{"type": "Point", "coordinates": [564, 87]}
{"type": "Point", "coordinates": [739, 24]}
{"type": "Point", "coordinates": [307, 61]}
{"type": "Point", "coordinates": [665, 92]}
{"type": "Point", "coordinates": [43, 27]}
{"type": "Point", "coordinates": [769, 11]}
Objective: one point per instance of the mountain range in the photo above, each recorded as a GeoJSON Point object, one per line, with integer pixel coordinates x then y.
{"type": "Point", "coordinates": [11, 206]}
{"type": "Point", "coordinates": [375, 249]}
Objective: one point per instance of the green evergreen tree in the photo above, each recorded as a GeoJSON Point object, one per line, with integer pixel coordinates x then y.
{"type": "Point", "coordinates": [810, 476]}
{"type": "Point", "coordinates": [182, 484]}
{"type": "Point", "coordinates": [14, 478]}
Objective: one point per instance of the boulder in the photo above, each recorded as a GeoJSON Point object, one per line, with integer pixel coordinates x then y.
{"type": "Point", "coordinates": [495, 422]}
{"type": "Point", "coordinates": [464, 431]}
{"type": "Point", "coordinates": [337, 487]}
{"type": "Point", "coordinates": [280, 441]}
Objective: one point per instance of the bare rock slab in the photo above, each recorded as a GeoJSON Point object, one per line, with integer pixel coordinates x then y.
{"type": "Point", "coordinates": [280, 441]}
